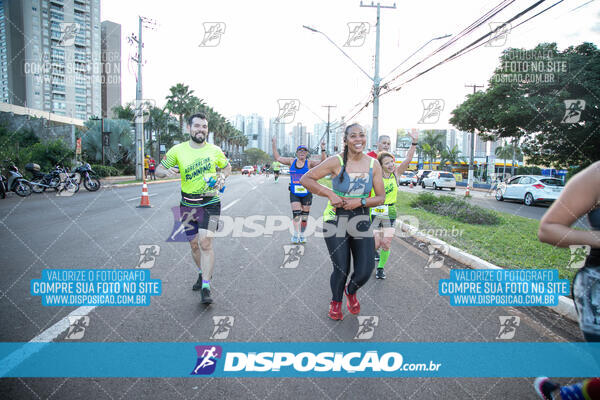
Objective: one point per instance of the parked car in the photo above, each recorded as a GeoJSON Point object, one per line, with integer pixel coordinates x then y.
{"type": "Point", "coordinates": [248, 169]}
{"type": "Point", "coordinates": [439, 180]}
{"type": "Point", "coordinates": [406, 177]}
{"type": "Point", "coordinates": [284, 171]}
{"type": "Point", "coordinates": [420, 175]}
{"type": "Point", "coordinates": [530, 189]}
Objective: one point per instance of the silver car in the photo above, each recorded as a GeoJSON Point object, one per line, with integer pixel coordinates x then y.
{"type": "Point", "coordinates": [439, 180]}
{"type": "Point", "coordinates": [530, 189]}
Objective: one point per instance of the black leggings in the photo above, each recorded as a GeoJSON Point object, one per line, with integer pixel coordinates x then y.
{"type": "Point", "coordinates": [586, 296]}
{"type": "Point", "coordinates": [342, 245]}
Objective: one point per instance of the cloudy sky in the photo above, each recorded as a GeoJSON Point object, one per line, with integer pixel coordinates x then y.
{"type": "Point", "coordinates": [264, 53]}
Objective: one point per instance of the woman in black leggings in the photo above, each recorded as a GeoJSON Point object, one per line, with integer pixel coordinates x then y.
{"type": "Point", "coordinates": [346, 220]}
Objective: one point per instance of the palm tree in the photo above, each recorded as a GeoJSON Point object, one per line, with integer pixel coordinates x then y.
{"type": "Point", "coordinates": [432, 143]}
{"type": "Point", "coordinates": [178, 102]}
{"type": "Point", "coordinates": [509, 151]}
{"type": "Point", "coordinates": [451, 155]}
{"type": "Point", "coordinates": [124, 112]}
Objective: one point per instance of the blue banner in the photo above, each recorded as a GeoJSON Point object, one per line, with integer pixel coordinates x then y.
{"type": "Point", "coordinates": [311, 359]}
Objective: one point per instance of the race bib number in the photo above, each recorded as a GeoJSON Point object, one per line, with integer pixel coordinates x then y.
{"type": "Point", "coordinates": [380, 210]}
{"type": "Point", "coordinates": [300, 189]}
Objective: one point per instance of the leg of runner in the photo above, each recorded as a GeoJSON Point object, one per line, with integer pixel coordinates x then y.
{"type": "Point", "coordinates": [297, 216]}
{"type": "Point", "coordinates": [304, 222]}
{"type": "Point", "coordinates": [339, 251]}
{"type": "Point", "coordinates": [197, 259]}
{"type": "Point", "coordinates": [386, 241]}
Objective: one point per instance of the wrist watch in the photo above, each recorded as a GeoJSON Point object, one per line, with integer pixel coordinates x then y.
{"type": "Point", "coordinates": [414, 144]}
{"type": "Point", "coordinates": [363, 202]}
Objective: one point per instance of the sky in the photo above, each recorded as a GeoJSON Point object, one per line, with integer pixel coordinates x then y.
{"type": "Point", "coordinates": [265, 54]}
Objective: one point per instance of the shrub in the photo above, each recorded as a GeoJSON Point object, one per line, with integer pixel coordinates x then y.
{"type": "Point", "coordinates": [53, 152]}
{"type": "Point", "coordinates": [104, 170]}
{"type": "Point", "coordinates": [455, 208]}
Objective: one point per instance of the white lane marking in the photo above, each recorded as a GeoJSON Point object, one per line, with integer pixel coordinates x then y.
{"type": "Point", "coordinates": [230, 205]}
{"type": "Point", "coordinates": [137, 198]}
{"type": "Point", "coordinates": [18, 356]}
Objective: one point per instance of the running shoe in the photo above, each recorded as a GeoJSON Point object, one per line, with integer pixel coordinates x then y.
{"type": "Point", "coordinates": [206, 299]}
{"type": "Point", "coordinates": [335, 310]}
{"type": "Point", "coordinates": [302, 239]}
{"type": "Point", "coordinates": [379, 273]}
{"type": "Point", "coordinates": [198, 284]}
{"type": "Point", "coordinates": [295, 239]}
{"type": "Point", "coordinates": [544, 387]}
{"type": "Point", "coordinates": [352, 302]}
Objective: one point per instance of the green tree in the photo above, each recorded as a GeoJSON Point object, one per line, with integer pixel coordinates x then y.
{"type": "Point", "coordinates": [124, 112]}
{"type": "Point", "coordinates": [432, 144]}
{"type": "Point", "coordinates": [122, 141]}
{"type": "Point", "coordinates": [182, 102]}
{"type": "Point", "coordinates": [257, 156]}
{"type": "Point", "coordinates": [532, 113]}
{"type": "Point", "coordinates": [450, 155]}
{"type": "Point", "coordinates": [507, 151]}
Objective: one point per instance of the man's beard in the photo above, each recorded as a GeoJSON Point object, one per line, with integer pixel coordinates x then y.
{"type": "Point", "coordinates": [198, 140]}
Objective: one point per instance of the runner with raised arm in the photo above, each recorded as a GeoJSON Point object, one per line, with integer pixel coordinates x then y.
{"type": "Point", "coordinates": [300, 198]}
{"type": "Point", "coordinates": [197, 162]}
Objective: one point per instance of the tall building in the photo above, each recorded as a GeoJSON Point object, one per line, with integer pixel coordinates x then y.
{"type": "Point", "coordinates": [55, 48]}
{"type": "Point", "coordinates": [111, 67]}
{"type": "Point", "coordinates": [299, 135]}
{"type": "Point", "coordinates": [276, 130]}
{"type": "Point", "coordinates": [254, 130]}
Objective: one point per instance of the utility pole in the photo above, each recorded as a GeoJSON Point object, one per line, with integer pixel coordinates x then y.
{"type": "Point", "coordinates": [327, 131]}
{"type": "Point", "coordinates": [472, 159]}
{"type": "Point", "coordinates": [376, 77]}
{"type": "Point", "coordinates": [143, 22]}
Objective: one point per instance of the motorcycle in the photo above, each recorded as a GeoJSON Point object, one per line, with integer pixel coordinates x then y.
{"type": "Point", "coordinates": [87, 176]}
{"type": "Point", "coordinates": [15, 183]}
{"type": "Point", "coordinates": [59, 179]}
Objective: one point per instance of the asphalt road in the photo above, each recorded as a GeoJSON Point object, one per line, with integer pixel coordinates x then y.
{"type": "Point", "coordinates": [268, 303]}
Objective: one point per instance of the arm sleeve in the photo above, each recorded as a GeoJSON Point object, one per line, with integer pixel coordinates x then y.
{"type": "Point", "coordinates": [170, 160]}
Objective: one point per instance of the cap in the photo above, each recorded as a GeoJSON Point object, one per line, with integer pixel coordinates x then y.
{"type": "Point", "coordinates": [302, 147]}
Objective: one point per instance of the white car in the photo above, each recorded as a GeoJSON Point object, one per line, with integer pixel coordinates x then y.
{"type": "Point", "coordinates": [530, 189]}
{"type": "Point", "coordinates": [284, 171]}
{"type": "Point", "coordinates": [406, 178]}
{"type": "Point", "coordinates": [439, 180]}
{"type": "Point", "coordinates": [248, 169]}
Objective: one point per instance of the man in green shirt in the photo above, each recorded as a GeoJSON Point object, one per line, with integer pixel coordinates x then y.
{"type": "Point", "coordinates": [276, 168]}
{"type": "Point", "coordinates": [200, 206]}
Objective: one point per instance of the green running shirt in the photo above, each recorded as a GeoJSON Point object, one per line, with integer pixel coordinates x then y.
{"type": "Point", "coordinates": [195, 165]}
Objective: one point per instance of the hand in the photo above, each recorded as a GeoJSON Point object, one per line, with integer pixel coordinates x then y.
{"type": "Point", "coordinates": [274, 140]}
{"type": "Point", "coordinates": [220, 182]}
{"type": "Point", "coordinates": [336, 201]}
{"type": "Point", "coordinates": [323, 145]}
{"type": "Point", "coordinates": [414, 134]}
{"type": "Point", "coordinates": [351, 204]}
{"type": "Point", "coordinates": [173, 171]}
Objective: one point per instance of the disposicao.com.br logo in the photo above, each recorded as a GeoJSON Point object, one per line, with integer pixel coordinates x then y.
{"type": "Point", "coordinates": [269, 362]}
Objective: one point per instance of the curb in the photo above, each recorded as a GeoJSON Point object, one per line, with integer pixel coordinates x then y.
{"type": "Point", "coordinates": [565, 306]}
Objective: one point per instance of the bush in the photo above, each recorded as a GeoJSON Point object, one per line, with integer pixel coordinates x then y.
{"type": "Point", "coordinates": [455, 208]}
{"type": "Point", "coordinates": [48, 154]}
{"type": "Point", "coordinates": [103, 170]}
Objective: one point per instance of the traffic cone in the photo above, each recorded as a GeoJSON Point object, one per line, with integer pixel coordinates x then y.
{"type": "Point", "coordinates": [145, 200]}
{"type": "Point", "coordinates": [411, 185]}
{"type": "Point", "coordinates": [467, 191]}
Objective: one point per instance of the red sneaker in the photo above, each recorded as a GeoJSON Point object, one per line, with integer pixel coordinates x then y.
{"type": "Point", "coordinates": [352, 303]}
{"type": "Point", "coordinates": [335, 310]}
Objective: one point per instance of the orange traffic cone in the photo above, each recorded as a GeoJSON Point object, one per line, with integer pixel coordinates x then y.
{"type": "Point", "coordinates": [411, 185]}
{"type": "Point", "coordinates": [145, 201]}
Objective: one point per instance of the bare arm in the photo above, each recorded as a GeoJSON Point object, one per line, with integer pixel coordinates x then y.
{"type": "Point", "coordinates": [277, 157]}
{"type": "Point", "coordinates": [399, 170]}
{"type": "Point", "coordinates": [163, 172]}
{"type": "Point", "coordinates": [581, 195]}
{"type": "Point", "coordinates": [330, 166]}
{"type": "Point", "coordinates": [312, 163]}
{"type": "Point", "coordinates": [223, 174]}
